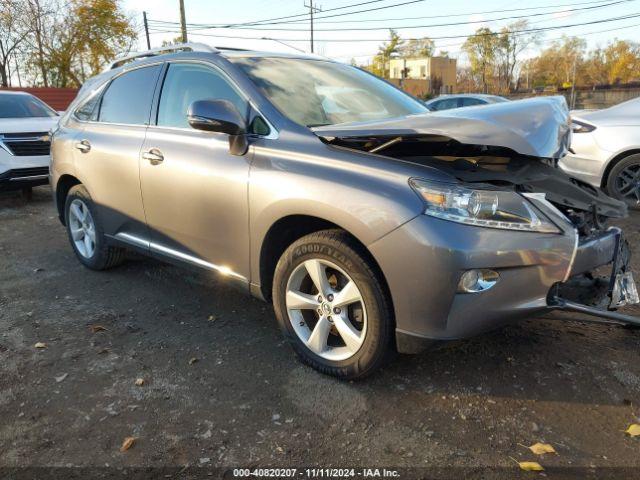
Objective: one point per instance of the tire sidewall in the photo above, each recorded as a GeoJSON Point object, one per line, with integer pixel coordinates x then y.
{"type": "Point", "coordinates": [613, 175]}
{"type": "Point", "coordinates": [81, 193]}
{"type": "Point", "coordinates": [376, 337]}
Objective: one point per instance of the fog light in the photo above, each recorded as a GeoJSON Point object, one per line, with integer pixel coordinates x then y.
{"type": "Point", "coordinates": [477, 280]}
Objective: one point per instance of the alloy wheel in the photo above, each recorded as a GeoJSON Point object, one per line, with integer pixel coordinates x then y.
{"type": "Point", "coordinates": [627, 184]}
{"type": "Point", "coordinates": [326, 309]}
{"type": "Point", "coordinates": [83, 228]}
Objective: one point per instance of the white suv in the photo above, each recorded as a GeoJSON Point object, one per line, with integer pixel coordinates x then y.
{"type": "Point", "coordinates": [25, 123]}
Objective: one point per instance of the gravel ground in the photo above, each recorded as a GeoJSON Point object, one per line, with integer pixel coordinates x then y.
{"type": "Point", "coordinates": [221, 388]}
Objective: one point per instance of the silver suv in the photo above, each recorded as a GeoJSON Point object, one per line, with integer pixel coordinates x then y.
{"type": "Point", "coordinates": [372, 225]}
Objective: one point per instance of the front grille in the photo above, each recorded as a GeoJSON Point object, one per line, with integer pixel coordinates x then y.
{"type": "Point", "coordinates": [27, 144]}
{"type": "Point", "coordinates": [24, 172]}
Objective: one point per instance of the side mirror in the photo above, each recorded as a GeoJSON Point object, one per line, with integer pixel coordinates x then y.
{"type": "Point", "coordinates": [216, 116]}
{"type": "Point", "coordinates": [220, 116]}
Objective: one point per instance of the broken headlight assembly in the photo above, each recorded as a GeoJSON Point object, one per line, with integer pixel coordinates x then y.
{"type": "Point", "coordinates": [501, 209]}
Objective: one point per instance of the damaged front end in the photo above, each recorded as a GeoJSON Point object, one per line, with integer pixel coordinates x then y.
{"type": "Point", "coordinates": [516, 146]}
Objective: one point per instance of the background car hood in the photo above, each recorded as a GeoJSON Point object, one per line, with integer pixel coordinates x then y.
{"type": "Point", "coordinates": [22, 125]}
{"type": "Point", "coordinates": [538, 127]}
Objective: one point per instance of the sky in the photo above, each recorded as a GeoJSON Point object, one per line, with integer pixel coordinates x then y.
{"type": "Point", "coordinates": [424, 16]}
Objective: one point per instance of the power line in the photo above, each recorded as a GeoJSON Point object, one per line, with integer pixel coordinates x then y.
{"type": "Point", "coordinates": [349, 40]}
{"type": "Point", "coordinates": [593, 7]}
{"type": "Point", "coordinates": [207, 26]}
{"type": "Point", "coordinates": [547, 40]}
{"type": "Point", "coordinates": [449, 15]}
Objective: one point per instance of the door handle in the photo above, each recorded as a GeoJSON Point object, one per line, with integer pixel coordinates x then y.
{"type": "Point", "coordinates": [154, 156]}
{"type": "Point", "coordinates": [84, 146]}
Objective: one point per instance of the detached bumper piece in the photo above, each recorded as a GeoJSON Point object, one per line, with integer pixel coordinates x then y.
{"type": "Point", "coordinates": [24, 177]}
{"type": "Point", "coordinates": [599, 296]}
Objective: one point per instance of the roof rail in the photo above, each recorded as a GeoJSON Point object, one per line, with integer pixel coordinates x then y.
{"type": "Point", "coordinates": [179, 47]}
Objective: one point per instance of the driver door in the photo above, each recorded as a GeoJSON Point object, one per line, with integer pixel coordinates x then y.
{"type": "Point", "coordinates": [194, 191]}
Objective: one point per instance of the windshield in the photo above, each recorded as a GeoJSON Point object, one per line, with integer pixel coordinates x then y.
{"type": "Point", "coordinates": [23, 106]}
{"type": "Point", "coordinates": [317, 92]}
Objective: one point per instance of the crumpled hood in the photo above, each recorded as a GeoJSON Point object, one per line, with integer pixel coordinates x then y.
{"type": "Point", "coordinates": [24, 125]}
{"type": "Point", "coordinates": [538, 127]}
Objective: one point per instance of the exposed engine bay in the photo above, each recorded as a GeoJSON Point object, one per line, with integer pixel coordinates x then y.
{"type": "Point", "coordinates": [587, 207]}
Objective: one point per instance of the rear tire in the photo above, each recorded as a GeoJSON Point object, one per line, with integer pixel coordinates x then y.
{"type": "Point", "coordinates": [353, 306]}
{"type": "Point", "coordinates": [623, 182]}
{"type": "Point", "coordinates": [86, 234]}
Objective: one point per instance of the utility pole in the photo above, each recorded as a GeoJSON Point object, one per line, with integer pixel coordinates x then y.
{"type": "Point", "coordinates": [572, 103]}
{"type": "Point", "coordinates": [146, 30]}
{"type": "Point", "coordinates": [312, 10]}
{"type": "Point", "coordinates": [183, 22]}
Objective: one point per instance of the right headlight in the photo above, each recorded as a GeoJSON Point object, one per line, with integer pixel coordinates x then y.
{"type": "Point", "coordinates": [484, 208]}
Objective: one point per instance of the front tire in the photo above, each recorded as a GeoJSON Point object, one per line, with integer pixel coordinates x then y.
{"type": "Point", "coordinates": [623, 182]}
{"type": "Point", "coordinates": [86, 234]}
{"type": "Point", "coordinates": [332, 305]}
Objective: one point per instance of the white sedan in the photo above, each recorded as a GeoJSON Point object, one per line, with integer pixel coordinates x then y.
{"type": "Point", "coordinates": [25, 123]}
{"type": "Point", "coordinates": [606, 150]}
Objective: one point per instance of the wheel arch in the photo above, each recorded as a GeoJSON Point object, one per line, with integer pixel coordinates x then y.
{"type": "Point", "coordinates": [64, 184]}
{"type": "Point", "coordinates": [290, 228]}
{"type": "Point", "coordinates": [612, 163]}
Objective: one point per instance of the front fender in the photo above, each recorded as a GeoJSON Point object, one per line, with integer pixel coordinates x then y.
{"type": "Point", "coordinates": [345, 188]}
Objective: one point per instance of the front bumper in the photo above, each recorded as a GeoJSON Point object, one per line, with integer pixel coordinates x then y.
{"type": "Point", "coordinates": [18, 178]}
{"type": "Point", "coordinates": [424, 259]}
{"type": "Point", "coordinates": [18, 172]}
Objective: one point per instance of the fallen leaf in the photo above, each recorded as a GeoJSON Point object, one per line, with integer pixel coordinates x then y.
{"type": "Point", "coordinates": [102, 351]}
{"type": "Point", "coordinates": [61, 377]}
{"type": "Point", "coordinates": [139, 382]}
{"type": "Point", "coordinates": [633, 430]}
{"type": "Point", "coordinates": [97, 328]}
{"type": "Point", "coordinates": [542, 448]}
{"type": "Point", "coordinates": [193, 360]}
{"type": "Point", "coordinates": [212, 318]}
{"type": "Point", "coordinates": [528, 466]}
{"type": "Point", "coordinates": [40, 345]}
{"type": "Point", "coordinates": [127, 444]}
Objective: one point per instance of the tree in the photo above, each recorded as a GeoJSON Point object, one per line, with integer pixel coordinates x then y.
{"type": "Point", "coordinates": [36, 15]}
{"type": "Point", "coordinates": [510, 45]}
{"type": "Point", "coordinates": [14, 30]}
{"type": "Point", "coordinates": [622, 61]}
{"type": "Point", "coordinates": [481, 50]}
{"type": "Point", "coordinates": [381, 61]}
{"type": "Point", "coordinates": [556, 65]}
{"type": "Point", "coordinates": [418, 47]}
{"type": "Point", "coordinates": [75, 38]}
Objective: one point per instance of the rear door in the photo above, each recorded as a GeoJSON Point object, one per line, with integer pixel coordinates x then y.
{"type": "Point", "coordinates": [194, 190]}
{"type": "Point", "coordinates": [108, 150]}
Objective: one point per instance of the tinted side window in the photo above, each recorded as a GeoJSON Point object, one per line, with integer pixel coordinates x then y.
{"type": "Point", "coordinates": [446, 104]}
{"type": "Point", "coordinates": [128, 98]}
{"type": "Point", "coordinates": [186, 83]}
{"type": "Point", "coordinates": [469, 102]}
